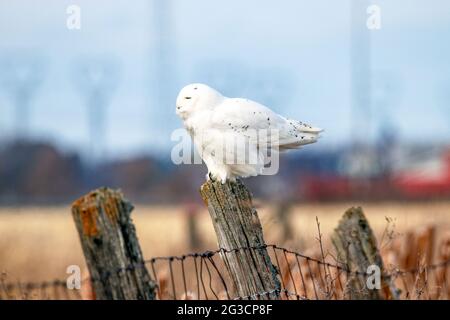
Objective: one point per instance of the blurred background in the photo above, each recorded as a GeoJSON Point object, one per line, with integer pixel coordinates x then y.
{"type": "Point", "coordinates": [95, 105]}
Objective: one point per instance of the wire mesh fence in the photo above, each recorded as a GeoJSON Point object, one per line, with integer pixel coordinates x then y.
{"type": "Point", "coordinates": [204, 276]}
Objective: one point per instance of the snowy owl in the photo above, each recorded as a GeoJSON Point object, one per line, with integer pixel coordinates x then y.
{"type": "Point", "coordinates": [235, 137]}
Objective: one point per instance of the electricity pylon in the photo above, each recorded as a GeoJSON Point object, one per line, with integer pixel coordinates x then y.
{"type": "Point", "coordinates": [20, 78]}
{"type": "Point", "coordinates": [96, 79]}
{"type": "Point", "coordinates": [360, 58]}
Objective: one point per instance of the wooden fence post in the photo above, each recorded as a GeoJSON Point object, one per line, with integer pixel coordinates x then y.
{"type": "Point", "coordinates": [110, 246]}
{"type": "Point", "coordinates": [356, 248]}
{"type": "Point", "coordinates": [237, 226]}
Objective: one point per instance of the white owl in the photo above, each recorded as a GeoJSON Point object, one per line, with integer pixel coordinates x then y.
{"type": "Point", "coordinates": [237, 137]}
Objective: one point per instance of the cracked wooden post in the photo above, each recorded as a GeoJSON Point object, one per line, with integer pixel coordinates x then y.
{"type": "Point", "coordinates": [237, 226]}
{"type": "Point", "coordinates": [356, 248]}
{"type": "Point", "coordinates": [110, 246]}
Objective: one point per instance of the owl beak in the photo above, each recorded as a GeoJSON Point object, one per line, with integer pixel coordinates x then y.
{"type": "Point", "coordinates": [179, 110]}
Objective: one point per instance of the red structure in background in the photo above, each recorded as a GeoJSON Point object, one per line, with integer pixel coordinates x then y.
{"type": "Point", "coordinates": [325, 187]}
{"type": "Point", "coordinates": [430, 180]}
{"type": "Point", "coordinates": [421, 180]}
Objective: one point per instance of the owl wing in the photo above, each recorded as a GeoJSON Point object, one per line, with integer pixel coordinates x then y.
{"type": "Point", "coordinates": [244, 117]}
{"type": "Point", "coordinates": [255, 133]}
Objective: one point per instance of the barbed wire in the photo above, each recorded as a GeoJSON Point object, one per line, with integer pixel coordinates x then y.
{"type": "Point", "coordinates": [204, 276]}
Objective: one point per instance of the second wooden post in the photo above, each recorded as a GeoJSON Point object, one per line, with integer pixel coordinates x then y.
{"type": "Point", "coordinates": [239, 233]}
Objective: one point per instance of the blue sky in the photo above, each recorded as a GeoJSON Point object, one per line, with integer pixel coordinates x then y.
{"type": "Point", "coordinates": [292, 55]}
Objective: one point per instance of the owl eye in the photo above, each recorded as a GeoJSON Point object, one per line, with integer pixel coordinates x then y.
{"type": "Point", "coordinates": [187, 98]}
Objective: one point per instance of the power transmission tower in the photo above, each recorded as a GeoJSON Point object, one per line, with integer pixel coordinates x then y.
{"type": "Point", "coordinates": [164, 78]}
{"type": "Point", "coordinates": [20, 77]}
{"type": "Point", "coordinates": [96, 79]}
{"type": "Point", "coordinates": [361, 105]}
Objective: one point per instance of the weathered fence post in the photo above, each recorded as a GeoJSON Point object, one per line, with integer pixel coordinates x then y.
{"type": "Point", "coordinates": [238, 227]}
{"type": "Point", "coordinates": [356, 247]}
{"type": "Point", "coordinates": [110, 246]}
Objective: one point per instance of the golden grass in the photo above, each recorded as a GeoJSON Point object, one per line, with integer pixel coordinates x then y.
{"type": "Point", "coordinates": [38, 244]}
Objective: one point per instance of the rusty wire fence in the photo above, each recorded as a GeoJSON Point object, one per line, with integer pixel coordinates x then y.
{"type": "Point", "coordinates": [204, 276]}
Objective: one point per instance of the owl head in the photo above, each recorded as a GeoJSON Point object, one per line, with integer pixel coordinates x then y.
{"type": "Point", "coordinates": [196, 97]}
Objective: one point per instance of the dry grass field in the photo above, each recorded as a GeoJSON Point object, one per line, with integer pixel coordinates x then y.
{"type": "Point", "coordinates": [38, 243]}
